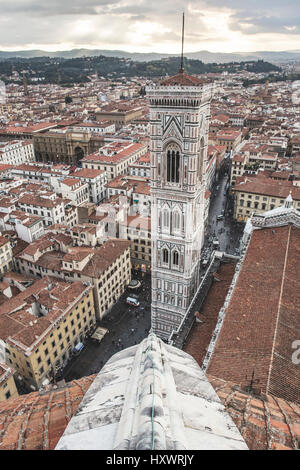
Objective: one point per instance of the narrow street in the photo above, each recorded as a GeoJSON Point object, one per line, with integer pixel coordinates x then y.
{"type": "Point", "coordinates": [226, 231]}
{"type": "Point", "coordinates": [127, 326]}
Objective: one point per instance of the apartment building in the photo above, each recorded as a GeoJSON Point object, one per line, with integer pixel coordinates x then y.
{"type": "Point", "coordinates": [96, 181]}
{"type": "Point", "coordinates": [114, 158]}
{"type": "Point", "coordinates": [141, 167]}
{"type": "Point", "coordinates": [28, 227]}
{"type": "Point", "coordinates": [6, 256]}
{"type": "Point", "coordinates": [43, 324]}
{"type": "Point", "coordinates": [120, 117]}
{"type": "Point", "coordinates": [71, 188]}
{"type": "Point", "coordinates": [260, 194]}
{"type": "Point", "coordinates": [53, 209]}
{"type": "Point", "coordinates": [229, 138]}
{"type": "Point", "coordinates": [16, 152]}
{"type": "Point", "coordinates": [104, 127]}
{"type": "Point", "coordinates": [39, 172]}
{"type": "Point", "coordinates": [107, 268]}
{"type": "Point", "coordinates": [295, 144]}
{"type": "Point", "coordinates": [246, 163]}
{"type": "Point", "coordinates": [8, 387]}
{"type": "Point", "coordinates": [137, 229]}
{"type": "Point", "coordinates": [85, 235]}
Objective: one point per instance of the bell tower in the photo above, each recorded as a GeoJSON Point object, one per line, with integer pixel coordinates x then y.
{"type": "Point", "coordinates": [179, 122]}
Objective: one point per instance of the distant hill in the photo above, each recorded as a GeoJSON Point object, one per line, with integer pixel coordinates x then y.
{"type": "Point", "coordinates": [204, 56]}
{"type": "Point", "coordinates": [80, 69]}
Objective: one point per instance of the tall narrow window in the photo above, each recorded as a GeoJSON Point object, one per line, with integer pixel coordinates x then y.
{"type": "Point", "coordinates": [176, 218]}
{"type": "Point", "coordinates": [201, 159]}
{"type": "Point", "coordinates": [173, 164]}
{"type": "Point", "coordinates": [165, 256]}
{"type": "Point", "coordinates": [169, 166]}
{"type": "Point", "coordinates": [175, 258]}
{"type": "Point", "coordinates": [166, 219]}
{"type": "Point", "coordinates": [177, 164]}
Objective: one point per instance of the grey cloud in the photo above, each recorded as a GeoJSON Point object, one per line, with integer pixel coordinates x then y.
{"type": "Point", "coordinates": [26, 22]}
{"type": "Point", "coordinates": [262, 16]}
{"type": "Point", "coordinates": [54, 7]}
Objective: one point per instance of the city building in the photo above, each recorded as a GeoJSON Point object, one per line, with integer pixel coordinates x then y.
{"type": "Point", "coordinates": [16, 152]}
{"type": "Point", "coordinates": [96, 181]}
{"type": "Point", "coordinates": [6, 255]}
{"type": "Point", "coordinates": [8, 387]}
{"type": "Point", "coordinates": [74, 189]}
{"type": "Point", "coordinates": [28, 227]}
{"type": "Point", "coordinates": [229, 138]}
{"type": "Point", "coordinates": [260, 193]}
{"type": "Point", "coordinates": [46, 205]}
{"type": "Point", "coordinates": [43, 324]}
{"type": "Point", "coordinates": [107, 267]}
{"type": "Point", "coordinates": [114, 158]}
{"type": "Point", "coordinates": [104, 127]}
{"type": "Point", "coordinates": [65, 145]}
{"type": "Point", "coordinates": [137, 229]}
{"type": "Point", "coordinates": [118, 116]}
{"type": "Point", "coordinates": [141, 167]}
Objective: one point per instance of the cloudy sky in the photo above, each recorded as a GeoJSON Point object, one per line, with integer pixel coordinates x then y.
{"type": "Point", "coordinates": [150, 25]}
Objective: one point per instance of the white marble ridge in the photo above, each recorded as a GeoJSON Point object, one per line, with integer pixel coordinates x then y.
{"type": "Point", "coordinates": [151, 397]}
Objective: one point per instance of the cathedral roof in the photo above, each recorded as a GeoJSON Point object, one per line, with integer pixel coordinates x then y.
{"type": "Point", "coordinates": [151, 396]}
{"type": "Point", "coordinates": [37, 421]}
{"type": "Point", "coordinates": [183, 79]}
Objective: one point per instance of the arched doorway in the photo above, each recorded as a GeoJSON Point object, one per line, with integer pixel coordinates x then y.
{"type": "Point", "coordinates": [79, 154]}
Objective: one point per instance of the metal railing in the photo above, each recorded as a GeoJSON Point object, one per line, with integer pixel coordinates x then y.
{"type": "Point", "coordinates": [187, 321]}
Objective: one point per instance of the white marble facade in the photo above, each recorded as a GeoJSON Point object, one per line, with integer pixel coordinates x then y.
{"type": "Point", "coordinates": [179, 123]}
{"type": "Point", "coordinates": [151, 396]}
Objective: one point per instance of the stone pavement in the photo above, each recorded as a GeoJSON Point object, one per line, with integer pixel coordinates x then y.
{"type": "Point", "coordinates": [127, 326]}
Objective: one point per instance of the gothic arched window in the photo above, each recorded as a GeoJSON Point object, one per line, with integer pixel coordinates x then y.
{"type": "Point", "coordinates": [165, 256]}
{"type": "Point", "coordinates": [176, 219]}
{"type": "Point", "coordinates": [175, 258]}
{"type": "Point", "coordinates": [173, 163]}
{"type": "Point", "coordinates": [166, 219]}
{"type": "Point", "coordinates": [201, 159]}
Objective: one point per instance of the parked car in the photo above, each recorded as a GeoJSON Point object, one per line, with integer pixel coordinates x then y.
{"type": "Point", "coordinates": [78, 348]}
{"type": "Point", "coordinates": [132, 301]}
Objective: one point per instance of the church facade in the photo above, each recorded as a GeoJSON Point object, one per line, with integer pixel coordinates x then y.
{"type": "Point", "coordinates": [179, 123]}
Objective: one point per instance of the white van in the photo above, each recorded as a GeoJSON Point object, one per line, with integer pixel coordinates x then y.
{"type": "Point", "coordinates": [132, 301]}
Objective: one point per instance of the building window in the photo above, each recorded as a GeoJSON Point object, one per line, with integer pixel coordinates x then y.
{"type": "Point", "coordinates": [173, 164]}
{"type": "Point", "coordinates": [165, 254]}
{"type": "Point", "coordinates": [175, 258]}
{"type": "Point", "coordinates": [176, 220]}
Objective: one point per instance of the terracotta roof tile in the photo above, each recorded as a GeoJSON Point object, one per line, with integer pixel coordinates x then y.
{"type": "Point", "coordinates": [262, 319]}
{"type": "Point", "coordinates": [265, 422]}
{"type": "Point", "coordinates": [36, 421]}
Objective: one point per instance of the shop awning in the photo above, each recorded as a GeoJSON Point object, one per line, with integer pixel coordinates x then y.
{"type": "Point", "coordinates": [99, 333]}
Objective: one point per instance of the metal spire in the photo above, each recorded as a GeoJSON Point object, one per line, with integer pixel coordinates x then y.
{"type": "Point", "coordinates": [182, 41]}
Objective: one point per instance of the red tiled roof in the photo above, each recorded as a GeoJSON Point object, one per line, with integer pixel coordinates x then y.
{"type": "Point", "coordinates": [264, 422]}
{"type": "Point", "coordinates": [259, 184]}
{"type": "Point", "coordinates": [183, 79]}
{"type": "Point", "coordinates": [262, 319]}
{"type": "Point", "coordinates": [36, 421]}
{"type": "Point", "coordinates": [86, 173]}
